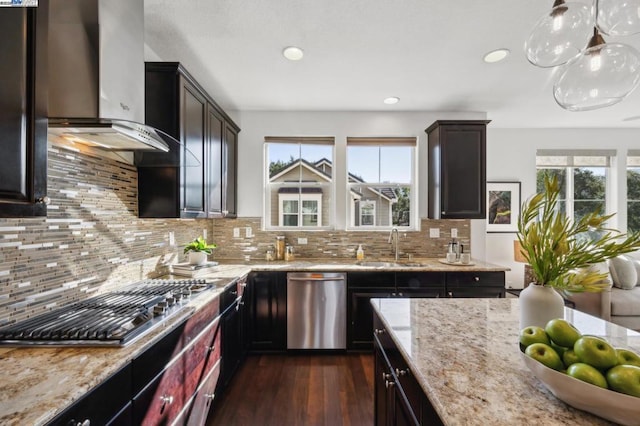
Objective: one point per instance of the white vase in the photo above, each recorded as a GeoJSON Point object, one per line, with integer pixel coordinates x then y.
{"type": "Point", "coordinates": [539, 304]}
{"type": "Point", "coordinates": [197, 257]}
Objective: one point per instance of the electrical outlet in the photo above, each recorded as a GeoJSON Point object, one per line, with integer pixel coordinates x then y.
{"type": "Point", "coordinates": [454, 232]}
{"type": "Point", "coordinates": [236, 232]}
{"type": "Point", "coordinates": [434, 232]}
{"type": "Point", "coordinates": [302, 241]}
{"type": "Point", "coordinates": [204, 233]}
{"type": "Point", "coordinates": [172, 238]}
{"type": "Point", "coordinates": [248, 232]}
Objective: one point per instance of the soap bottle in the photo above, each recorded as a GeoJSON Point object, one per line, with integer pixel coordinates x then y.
{"type": "Point", "coordinates": [359, 253]}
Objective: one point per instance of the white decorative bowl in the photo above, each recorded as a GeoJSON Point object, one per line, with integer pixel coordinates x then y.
{"type": "Point", "coordinates": [608, 404]}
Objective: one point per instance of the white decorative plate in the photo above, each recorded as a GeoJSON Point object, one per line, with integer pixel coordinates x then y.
{"type": "Point", "coordinates": [611, 405]}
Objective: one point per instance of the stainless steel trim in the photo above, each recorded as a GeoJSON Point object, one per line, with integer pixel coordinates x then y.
{"type": "Point", "coordinates": [316, 310]}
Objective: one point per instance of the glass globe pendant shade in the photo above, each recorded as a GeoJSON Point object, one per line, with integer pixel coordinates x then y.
{"type": "Point", "coordinates": [601, 76]}
{"type": "Point", "coordinates": [618, 17]}
{"type": "Point", "coordinates": [559, 35]}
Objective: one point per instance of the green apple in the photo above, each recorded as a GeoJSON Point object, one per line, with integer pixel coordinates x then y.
{"type": "Point", "coordinates": [570, 357]}
{"type": "Point", "coordinates": [587, 373]}
{"type": "Point", "coordinates": [596, 352]}
{"type": "Point", "coordinates": [533, 334]}
{"type": "Point", "coordinates": [545, 354]}
{"type": "Point", "coordinates": [562, 332]}
{"type": "Point", "coordinates": [625, 379]}
{"type": "Point", "coordinates": [560, 349]}
{"type": "Point", "coordinates": [627, 357]}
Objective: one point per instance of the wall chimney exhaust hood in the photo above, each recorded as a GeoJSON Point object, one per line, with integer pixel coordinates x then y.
{"type": "Point", "coordinates": [96, 80]}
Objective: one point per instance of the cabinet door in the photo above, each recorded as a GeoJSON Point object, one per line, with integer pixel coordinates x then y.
{"type": "Point", "coordinates": [420, 284]}
{"type": "Point", "coordinates": [23, 122]}
{"type": "Point", "coordinates": [360, 316]}
{"type": "Point", "coordinates": [229, 171]}
{"type": "Point", "coordinates": [457, 169]}
{"type": "Point", "coordinates": [215, 131]}
{"type": "Point", "coordinates": [193, 110]}
{"type": "Point", "coordinates": [231, 345]}
{"type": "Point", "coordinates": [267, 311]}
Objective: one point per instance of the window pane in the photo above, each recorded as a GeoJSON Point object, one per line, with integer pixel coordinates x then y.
{"type": "Point", "coordinates": [310, 220]}
{"type": "Point", "coordinates": [401, 210]}
{"type": "Point", "coordinates": [550, 173]}
{"type": "Point", "coordinates": [582, 208]}
{"type": "Point", "coordinates": [633, 216]}
{"type": "Point", "coordinates": [290, 220]}
{"type": "Point", "coordinates": [364, 163]}
{"type": "Point", "coordinates": [633, 184]}
{"type": "Point", "coordinates": [395, 164]}
{"type": "Point", "coordinates": [589, 183]}
{"type": "Point", "coordinates": [309, 206]}
{"type": "Point", "coordinates": [290, 206]}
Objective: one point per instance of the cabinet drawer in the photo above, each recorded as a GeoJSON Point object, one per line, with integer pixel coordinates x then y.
{"type": "Point", "coordinates": [416, 280]}
{"type": "Point", "coordinates": [201, 356]}
{"type": "Point", "coordinates": [371, 280]}
{"type": "Point", "coordinates": [162, 400]}
{"type": "Point", "coordinates": [196, 411]}
{"type": "Point", "coordinates": [466, 279]}
{"type": "Point", "coordinates": [201, 319]}
{"type": "Point", "coordinates": [101, 404]}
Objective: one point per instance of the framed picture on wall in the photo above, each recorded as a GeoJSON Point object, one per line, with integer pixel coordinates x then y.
{"type": "Point", "coordinates": [503, 206]}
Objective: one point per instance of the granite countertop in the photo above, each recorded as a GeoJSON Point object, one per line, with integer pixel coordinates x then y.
{"type": "Point", "coordinates": [38, 383]}
{"type": "Point", "coordinates": [341, 264]}
{"type": "Point", "coordinates": [465, 355]}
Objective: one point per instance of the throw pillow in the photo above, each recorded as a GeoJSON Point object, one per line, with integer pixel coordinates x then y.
{"type": "Point", "coordinates": [623, 272]}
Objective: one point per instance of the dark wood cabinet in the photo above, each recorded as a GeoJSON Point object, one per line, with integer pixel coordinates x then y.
{"type": "Point", "coordinates": [457, 169]}
{"type": "Point", "coordinates": [266, 305]}
{"type": "Point", "coordinates": [23, 122]}
{"type": "Point", "coordinates": [398, 397]}
{"type": "Point", "coordinates": [233, 348]}
{"type": "Point", "coordinates": [475, 284]}
{"type": "Point", "coordinates": [204, 174]}
{"type": "Point", "coordinates": [364, 286]}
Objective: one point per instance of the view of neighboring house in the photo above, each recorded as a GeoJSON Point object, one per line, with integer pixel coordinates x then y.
{"type": "Point", "coordinates": [305, 202]}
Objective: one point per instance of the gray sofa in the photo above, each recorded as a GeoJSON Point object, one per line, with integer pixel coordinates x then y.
{"type": "Point", "coordinates": [619, 304]}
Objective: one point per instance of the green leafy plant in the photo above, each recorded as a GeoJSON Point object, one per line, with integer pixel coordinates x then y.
{"type": "Point", "coordinates": [555, 247]}
{"type": "Point", "coordinates": [199, 244]}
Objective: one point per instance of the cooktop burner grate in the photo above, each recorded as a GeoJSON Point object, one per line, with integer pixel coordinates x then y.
{"type": "Point", "coordinates": [111, 319]}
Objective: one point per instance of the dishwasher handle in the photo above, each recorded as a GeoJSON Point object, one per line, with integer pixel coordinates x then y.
{"type": "Point", "coordinates": [315, 277]}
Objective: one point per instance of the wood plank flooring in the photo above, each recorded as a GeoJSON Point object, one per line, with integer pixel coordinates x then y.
{"type": "Point", "coordinates": [309, 389]}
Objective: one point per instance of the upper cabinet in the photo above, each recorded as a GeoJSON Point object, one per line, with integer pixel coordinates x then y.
{"type": "Point", "coordinates": [457, 169]}
{"type": "Point", "coordinates": [204, 185]}
{"type": "Point", "coordinates": [23, 122]}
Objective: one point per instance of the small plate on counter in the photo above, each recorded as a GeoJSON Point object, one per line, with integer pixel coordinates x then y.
{"type": "Point", "coordinates": [458, 263]}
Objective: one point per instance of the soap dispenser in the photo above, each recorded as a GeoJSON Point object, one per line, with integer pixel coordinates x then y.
{"type": "Point", "coordinates": [359, 252]}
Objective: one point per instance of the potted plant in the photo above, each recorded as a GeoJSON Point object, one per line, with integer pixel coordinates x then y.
{"type": "Point", "coordinates": [561, 256]}
{"type": "Point", "coordinates": [198, 250]}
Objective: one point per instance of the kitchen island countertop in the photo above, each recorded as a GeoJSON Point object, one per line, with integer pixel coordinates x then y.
{"type": "Point", "coordinates": [464, 354]}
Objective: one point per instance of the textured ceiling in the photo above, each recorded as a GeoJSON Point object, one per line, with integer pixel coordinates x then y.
{"type": "Point", "coordinates": [358, 52]}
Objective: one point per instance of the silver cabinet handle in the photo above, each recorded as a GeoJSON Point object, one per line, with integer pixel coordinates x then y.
{"type": "Point", "coordinates": [166, 399]}
{"type": "Point", "coordinates": [211, 348]}
{"type": "Point", "coordinates": [379, 330]}
{"type": "Point", "coordinates": [476, 279]}
{"type": "Point", "coordinates": [235, 293]}
{"type": "Point", "coordinates": [46, 200]}
{"type": "Point", "coordinates": [388, 384]}
{"type": "Point", "coordinates": [401, 373]}
{"type": "Point", "coordinates": [209, 395]}
{"type": "Point", "coordinates": [85, 422]}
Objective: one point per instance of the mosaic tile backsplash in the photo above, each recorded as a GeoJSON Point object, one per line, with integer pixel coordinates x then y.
{"type": "Point", "coordinates": [92, 240]}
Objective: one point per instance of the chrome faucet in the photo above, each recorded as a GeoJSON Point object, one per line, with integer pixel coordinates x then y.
{"type": "Point", "coordinates": [394, 230]}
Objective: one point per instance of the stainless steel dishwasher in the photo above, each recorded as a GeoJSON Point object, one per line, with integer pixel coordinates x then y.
{"type": "Point", "coordinates": [316, 310]}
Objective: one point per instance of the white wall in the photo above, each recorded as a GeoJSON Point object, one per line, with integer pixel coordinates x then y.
{"type": "Point", "coordinates": [511, 157]}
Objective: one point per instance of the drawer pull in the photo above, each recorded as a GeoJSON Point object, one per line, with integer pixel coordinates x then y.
{"type": "Point", "coordinates": [388, 384]}
{"type": "Point", "coordinates": [401, 373]}
{"type": "Point", "coordinates": [386, 376]}
{"type": "Point", "coordinates": [166, 399]}
{"type": "Point", "coordinates": [209, 395]}
{"type": "Point", "coordinates": [235, 293]}
{"type": "Point", "coordinates": [211, 348]}
{"type": "Point", "coordinates": [85, 422]}
{"type": "Point", "coordinates": [379, 331]}
{"type": "Point", "coordinates": [476, 279]}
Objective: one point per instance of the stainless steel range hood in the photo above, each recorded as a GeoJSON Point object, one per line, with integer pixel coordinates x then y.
{"type": "Point", "coordinates": [96, 79]}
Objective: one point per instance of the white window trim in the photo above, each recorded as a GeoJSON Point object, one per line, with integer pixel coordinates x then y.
{"type": "Point", "coordinates": [300, 198]}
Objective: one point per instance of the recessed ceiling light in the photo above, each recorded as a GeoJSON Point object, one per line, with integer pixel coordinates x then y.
{"type": "Point", "coordinates": [293, 53]}
{"type": "Point", "coordinates": [392, 100]}
{"type": "Point", "coordinates": [496, 55]}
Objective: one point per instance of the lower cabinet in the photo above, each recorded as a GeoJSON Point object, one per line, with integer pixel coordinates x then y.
{"type": "Point", "coordinates": [398, 398]}
{"type": "Point", "coordinates": [475, 284]}
{"type": "Point", "coordinates": [233, 348]}
{"type": "Point", "coordinates": [107, 404]}
{"type": "Point", "coordinates": [266, 310]}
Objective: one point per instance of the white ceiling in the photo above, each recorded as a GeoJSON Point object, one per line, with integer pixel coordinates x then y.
{"type": "Point", "coordinates": [358, 52]}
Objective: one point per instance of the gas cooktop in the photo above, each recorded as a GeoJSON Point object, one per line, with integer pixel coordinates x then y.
{"type": "Point", "coordinates": [112, 319]}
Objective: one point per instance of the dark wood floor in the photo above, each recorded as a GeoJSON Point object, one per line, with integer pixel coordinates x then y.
{"type": "Point", "coordinates": [300, 389]}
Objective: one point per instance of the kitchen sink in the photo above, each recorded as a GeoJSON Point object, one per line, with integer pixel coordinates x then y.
{"type": "Point", "coordinates": [376, 264]}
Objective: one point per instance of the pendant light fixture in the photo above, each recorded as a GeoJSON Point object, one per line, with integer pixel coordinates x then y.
{"type": "Point", "coordinates": [618, 17]}
{"type": "Point", "coordinates": [560, 34]}
{"type": "Point", "coordinates": [600, 76]}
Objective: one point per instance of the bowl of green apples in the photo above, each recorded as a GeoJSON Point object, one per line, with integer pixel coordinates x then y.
{"type": "Point", "coordinates": [584, 371]}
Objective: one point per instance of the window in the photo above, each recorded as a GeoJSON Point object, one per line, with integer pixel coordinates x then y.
{"type": "Point", "coordinates": [583, 178]}
{"type": "Point", "coordinates": [299, 176]}
{"type": "Point", "coordinates": [633, 191]}
{"type": "Point", "coordinates": [381, 181]}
